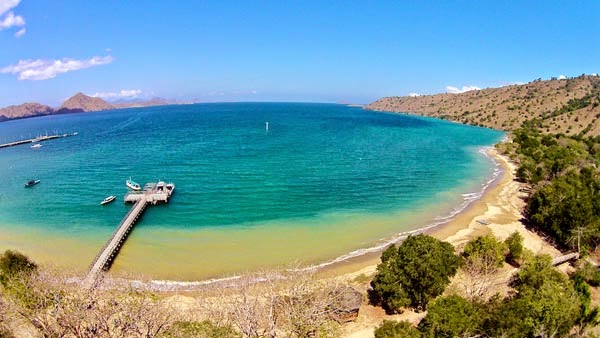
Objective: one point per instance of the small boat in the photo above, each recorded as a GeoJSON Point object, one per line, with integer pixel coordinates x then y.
{"type": "Point", "coordinates": [170, 188]}
{"type": "Point", "coordinates": [133, 185]}
{"type": "Point", "coordinates": [37, 145]}
{"type": "Point", "coordinates": [31, 183]}
{"type": "Point", "coordinates": [108, 200]}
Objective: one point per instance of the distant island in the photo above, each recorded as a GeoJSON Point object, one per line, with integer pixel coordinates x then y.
{"type": "Point", "coordinates": [78, 103]}
{"type": "Point", "coordinates": [570, 106]}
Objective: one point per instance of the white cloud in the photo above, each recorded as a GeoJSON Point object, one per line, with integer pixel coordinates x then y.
{"type": "Point", "coordinates": [20, 32]}
{"type": "Point", "coordinates": [123, 93]}
{"type": "Point", "coordinates": [455, 90]}
{"type": "Point", "coordinates": [414, 94]}
{"type": "Point", "coordinates": [11, 20]}
{"type": "Point", "coordinates": [36, 70]}
{"type": "Point", "coordinates": [7, 5]}
{"type": "Point", "coordinates": [562, 77]}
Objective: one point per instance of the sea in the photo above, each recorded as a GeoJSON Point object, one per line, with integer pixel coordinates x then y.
{"type": "Point", "coordinates": [258, 186]}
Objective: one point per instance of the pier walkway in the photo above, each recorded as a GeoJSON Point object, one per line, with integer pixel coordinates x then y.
{"type": "Point", "coordinates": [152, 194]}
{"type": "Point", "coordinates": [34, 140]}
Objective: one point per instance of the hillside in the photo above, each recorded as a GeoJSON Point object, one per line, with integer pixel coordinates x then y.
{"type": "Point", "coordinates": [24, 110]}
{"type": "Point", "coordinates": [76, 104]}
{"type": "Point", "coordinates": [570, 106]}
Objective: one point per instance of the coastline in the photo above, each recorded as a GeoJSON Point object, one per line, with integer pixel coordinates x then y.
{"type": "Point", "coordinates": [497, 212]}
{"type": "Point", "coordinates": [458, 229]}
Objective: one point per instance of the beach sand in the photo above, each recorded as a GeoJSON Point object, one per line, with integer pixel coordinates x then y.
{"type": "Point", "coordinates": [498, 212]}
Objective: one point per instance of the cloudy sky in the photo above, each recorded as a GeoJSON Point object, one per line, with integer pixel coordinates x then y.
{"type": "Point", "coordinates": [319, 51]}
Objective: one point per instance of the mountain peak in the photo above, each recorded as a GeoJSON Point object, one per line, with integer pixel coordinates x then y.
{"type": "Point", "coordinates": [82, 102]}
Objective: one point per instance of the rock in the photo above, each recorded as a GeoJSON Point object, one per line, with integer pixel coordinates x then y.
{"type": "Point", "coordinates": [346, 303]}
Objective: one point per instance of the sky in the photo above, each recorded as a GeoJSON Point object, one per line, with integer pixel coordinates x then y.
{"type": "Point", "coordinates": [312, 51]}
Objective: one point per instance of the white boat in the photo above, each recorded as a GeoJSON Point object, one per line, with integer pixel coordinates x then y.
{"type": "Point", "coordinates": [108, 200]}
{"type": "Point", "coordinates": [170, 187]}
{"type": "Point", "coordinates": [37, 145]}
{"type": "Point", "coordinates": [133, 185]}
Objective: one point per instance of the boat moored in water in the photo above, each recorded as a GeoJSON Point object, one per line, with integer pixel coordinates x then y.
{"type": "Point", "coordinates": [31, 183]}
{"type": "Point", "coordinates": [37, 145]}
{"type": "Point", "coordinates": [132, 185]}
{"type": "Point", "coordinates": [108, 200]}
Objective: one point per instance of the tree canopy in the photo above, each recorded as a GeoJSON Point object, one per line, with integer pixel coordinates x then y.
{"type": "Point", "coordinates": [416, 272]}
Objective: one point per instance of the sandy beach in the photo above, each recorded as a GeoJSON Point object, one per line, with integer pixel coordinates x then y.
{"type": "Point", "coordinates": [498, 212]}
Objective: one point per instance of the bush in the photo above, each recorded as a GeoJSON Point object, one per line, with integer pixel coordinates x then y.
{"type": "Point", "coordinates": [204, 329]}
{"type": "Point", "coordinates": [514, 242]}
{"type": "Point", "coordinates": [13, 263]}
{"type": "Point", "coordinates": [451, 316]}
{"type": "Point", "coordinates": [393, 329]}
{"type": "Point", "coordinates": [416, 272]}
{"type": "Point", "coordinates": [487, 250]}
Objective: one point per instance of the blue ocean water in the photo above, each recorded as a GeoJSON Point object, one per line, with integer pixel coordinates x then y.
{"type": "Point", "coordinates": [315, 160]}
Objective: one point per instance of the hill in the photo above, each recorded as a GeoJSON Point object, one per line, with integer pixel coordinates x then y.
{"type": "Point", "coordinates": [570, 106]}
{"type": "Point", "coordinates": [24, 110]}
{"type": "Point", "coordinates": [83, 103]}
{"type": "Point", "coordinates": [76, 104]}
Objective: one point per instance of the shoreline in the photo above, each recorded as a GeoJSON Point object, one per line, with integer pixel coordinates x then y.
{"type": "Point", "coordinates": [357, 260]}
{"type": "Point", "coordinates": [365, 260]}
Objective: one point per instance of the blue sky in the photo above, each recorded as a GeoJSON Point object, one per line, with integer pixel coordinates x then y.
{"type": "Point", "coordinates": [317, 51]}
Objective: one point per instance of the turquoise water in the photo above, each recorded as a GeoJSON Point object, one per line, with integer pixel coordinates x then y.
{"type": "Point", "coordinates": [318, 169]}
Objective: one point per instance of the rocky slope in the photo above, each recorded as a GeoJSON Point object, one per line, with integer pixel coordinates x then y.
{"type": "Point", "coordinates": [570, 106]}
{"type": "Point", "coordinates": [24, 110]}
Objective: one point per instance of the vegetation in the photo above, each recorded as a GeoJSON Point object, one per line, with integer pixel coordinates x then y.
{"type": "Point", "coordinates": [204, 329]}
{"type": "Point", "coordinates": [563, 173]}
{"type": "Point", "coordinates": [545, 303]}
{"type": "Point", "coordinates": [514, 243]}
{"type": "Point", "coordinates": [416, 272]}
{"type": "Point", "coordinates": [393, 329]}
{"type": "Point", "coordinates": [485, 251]}
{"type": "Point", "coordinates": [45, 303]}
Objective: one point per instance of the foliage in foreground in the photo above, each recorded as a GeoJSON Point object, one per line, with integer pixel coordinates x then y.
{"type": "Point", "coordinates": [52, 306]}
{"type": "Point", "coordinates": [393, 329]}
{"type": "Point", "coordinates": [545, 304]}
{"type": "Point", "coordinates": [416, 272]}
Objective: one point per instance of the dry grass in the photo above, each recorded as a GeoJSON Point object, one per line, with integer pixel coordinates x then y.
{"type": "Point", "coordinates": [506, 108]}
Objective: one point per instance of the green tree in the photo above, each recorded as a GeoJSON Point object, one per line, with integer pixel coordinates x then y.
{"type": "Point", "coordinates": [394, 329]}
{"type": "Point", "coordinates": [13, 264]}
{"type": "Point", "coordinates": [487, 250]}
{"type": "Point", "coordinates": [419, 270]}
{"type": "Point", "coordinates": [451, 316]}
{"type": "Point", "coordinates": [546, 303]}
{"type": "Point", "coordinates": [514, 242]}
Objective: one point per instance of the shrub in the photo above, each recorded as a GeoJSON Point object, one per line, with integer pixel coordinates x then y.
{"type": "Point", "coordinates": [451, 316]}
{"type": "Point", "coordinates": [204, 329]}
{"type": "Point", "coordinates": [416, 272]}
{"type": "Point", "coordinates": [487, 251]}
{"type": "Point", "coordinates": [514, 242]}
{"type": "Point", "coordinates": [393, 329]}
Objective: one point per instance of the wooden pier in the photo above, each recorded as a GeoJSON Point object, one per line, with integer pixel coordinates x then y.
{"type": "Point", "coordinates": [152, 194]}
{"type": "Point", "coordinates": [34, 140]}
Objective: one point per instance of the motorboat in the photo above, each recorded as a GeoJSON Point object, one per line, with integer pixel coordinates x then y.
{"type": "Point", "coordinates": [108, 200]}
{"type": "Point", "coordinates": [31, 183]}
{"type": "Point", "coordinates": [133, 185]}
{"type": "Point", "coordinates": [37, 145]}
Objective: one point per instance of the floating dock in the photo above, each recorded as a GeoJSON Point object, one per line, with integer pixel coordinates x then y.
{"type": "Point", "coordinates": [34, 140]}
{"type": "Point", "coordinates": [152, 193]}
